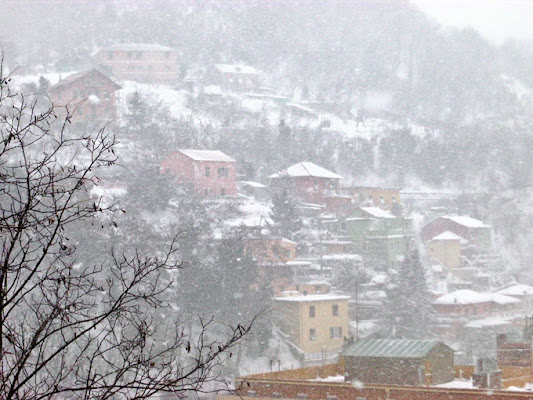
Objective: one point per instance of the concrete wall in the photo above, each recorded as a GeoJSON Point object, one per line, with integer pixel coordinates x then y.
{"type": "Point", "coordinates": [284, 389]}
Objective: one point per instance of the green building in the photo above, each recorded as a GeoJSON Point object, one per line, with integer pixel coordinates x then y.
{"type": "Point", "coordinates": [378, 234]}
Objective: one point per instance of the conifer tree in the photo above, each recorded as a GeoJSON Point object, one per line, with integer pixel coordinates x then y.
{"type": "Point", "coordinates": [408, 311]}
{"type": "Point", "coordinates": [285, 215]}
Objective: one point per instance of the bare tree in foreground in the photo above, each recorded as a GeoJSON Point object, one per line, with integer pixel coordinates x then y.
{"type": "Point", "coordinates": [93, 332]}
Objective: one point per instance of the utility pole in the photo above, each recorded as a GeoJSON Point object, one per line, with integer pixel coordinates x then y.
{"type": "Point", "coordinates": [357, 306]}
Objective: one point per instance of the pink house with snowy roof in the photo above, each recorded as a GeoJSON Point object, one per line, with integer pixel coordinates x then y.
{"type": "Point", "coordinates": [307, 181]}
{"type": "Point", "coordinates": [468, 228]}
{"type": "Point", "coordinates": [470, 303]}
{"type": "Point", "coordinates": [210, 173]}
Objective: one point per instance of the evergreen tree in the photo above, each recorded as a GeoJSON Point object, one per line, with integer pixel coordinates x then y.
{"type": "Point", "coordinates": [240, 296]}
{"type": "Point", "coordinates": [44, 84]}
{"type": "Point", "coordinates": [408, 311]}
{"type": "Point", "coordinates": [285, 215]}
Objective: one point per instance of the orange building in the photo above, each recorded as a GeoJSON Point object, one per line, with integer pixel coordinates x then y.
{"type": "Point", "coordinates": [386, 198]}
{"type": "Point", "coordinates": [267, 250]}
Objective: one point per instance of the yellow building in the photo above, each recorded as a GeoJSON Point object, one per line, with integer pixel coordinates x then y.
{"type": "Point", "coordinates": [386, 198]}
{"type": "Point", "coordinates": [446, 248]}
{"type": "Point", "coordinates": [316, 323]}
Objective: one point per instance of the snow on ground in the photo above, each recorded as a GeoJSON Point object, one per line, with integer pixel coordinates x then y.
{"type": "Point", "coordinates": [278, 356]}
{"type": "Point", "coordinates": [52, 77]}
{"type": "Point", "coordinates": [457, 384]}
{"type": "Point", "coordinates": [174, 100]}
{"type": "Point", "coordinates": [253, 213]}
{"type": "Point", "coordinates": [334, 378]}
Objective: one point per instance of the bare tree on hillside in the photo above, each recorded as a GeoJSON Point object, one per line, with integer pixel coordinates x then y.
{"type": "Point", "coordinates": [95, 331]}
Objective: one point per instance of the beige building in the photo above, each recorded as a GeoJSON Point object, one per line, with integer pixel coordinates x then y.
{"type": "Point", "coordinates": [446, 248]}
{"type": "Point", "coordinates": [316, 323]}
{"type": "Point", "coordinates": [146, 63]}
{"type": "Point", "coordinates": [386, 198]}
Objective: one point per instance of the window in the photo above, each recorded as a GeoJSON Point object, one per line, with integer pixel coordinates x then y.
{"type": "Point", "coordinates": [335, 310]}
{"type": "Point", "coordinates": [335, 332]}
{"type": "Point", "coordinates": [394, 199]}
{"type": "Point", "coordinates": [207, 171]}
{"type": "Point", "coordinates": [312, 334]}
{"type": "Point", "coordinates": [382, 199]}
{"type": "Point", "coordinates": [167, 54]}
{"type": "Point", "coordinates": [222, 192]}
{"type": "Point", "coordinates": [106, 95]}
{"type": "Point", "coordinates": [110, 55]}
{"type": "Point", "coordinates": [222, 172]}
{"type": "Point", "coordinates": [130, 54]}
{"type": "Point", "coordinates": [139, 54]}
{"type": "Point", "coordinates": [206, 192]}
{"type": "Point", "coordinates": [311, 311]}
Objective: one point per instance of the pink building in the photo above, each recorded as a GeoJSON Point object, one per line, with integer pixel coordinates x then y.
{"type": "Point", "coordinates": [469, 303]}
{"type": "Point", "coordinates": [209, 173]}
{"type": "Point", "coordinates": [148, 63]}
{"type": "Point", "coordinates": [307, 181]}
{"type": "Point", "coordinates": [468, 228]}
{"type": "Point", "coordinates": [89, 96]}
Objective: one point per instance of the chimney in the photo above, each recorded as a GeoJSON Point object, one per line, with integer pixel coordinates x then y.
{"type": "Point", "coordinates": [501, 339]}
{"type": "Point", "coordinates": [487, 375]}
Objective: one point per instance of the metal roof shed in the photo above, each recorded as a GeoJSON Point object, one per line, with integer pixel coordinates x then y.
{"type": "Point", "coordinates": [399, 361]}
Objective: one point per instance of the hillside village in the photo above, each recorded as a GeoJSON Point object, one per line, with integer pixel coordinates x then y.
{"type": "Point", "coordinates": [327, 248]}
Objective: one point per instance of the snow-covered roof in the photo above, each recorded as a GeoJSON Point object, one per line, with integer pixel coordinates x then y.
{"type": "Point", "coordinates": [437, 268]}
{"type": "Point", "coordinates": [467, 221]}
{"type": "Point", "coordinates": [447, 236]}
{"type": "Point", "coordinates": [341, 257]}
{"type": "Point", "coordinates": [138, 47]}
{"type": "Point", "coordinates": [313, 297]}
{"type": "Point", "coordinates": [306, 168]}
{"type": "Point", "coordinates": [516, 290]}
{"type": "Point", "coordinates": [213, 90]}
{"type": "Point", "coordinates": [84, 75]}
{"type": "Point", "coordinates": [301, 108]}
{"type": "Point", "coordinates": [466, 296]}
{"type": "Point", "coordinates": [236, 69]}
{"type": "Point", "coordinates": [253, 184]}
{"type": "Point", "coordinates": [298, 263]}
{"type": "Point", "coordinates": [488, 323]}
{"type": "Point", "coordinates": [377, 212]}
{"type": "Point", "coordinates": [207, 155]}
